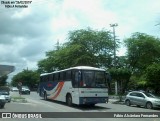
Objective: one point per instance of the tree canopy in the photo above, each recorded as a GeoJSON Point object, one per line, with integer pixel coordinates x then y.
{"type": "Point", "coordinates": [85, 47]}
{"type": "Point", "coordinates": [27, 77]}
{"type": "Point", "coordinates": [143, 53]}
{"type": "Point", "coordinates": [153, 76]}
{"type": "Point", "coordinates": [142, 50]}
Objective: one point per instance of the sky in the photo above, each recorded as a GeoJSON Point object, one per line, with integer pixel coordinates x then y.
{"type": "Point", "coordinates": [26, 34]}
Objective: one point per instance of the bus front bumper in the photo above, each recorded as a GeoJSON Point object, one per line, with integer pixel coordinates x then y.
{"type": "Point", "coordinates": [93, 100]}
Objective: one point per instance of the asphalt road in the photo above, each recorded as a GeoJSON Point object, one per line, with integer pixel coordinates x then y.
{"type": "Point", "coordinates": [37, 104]}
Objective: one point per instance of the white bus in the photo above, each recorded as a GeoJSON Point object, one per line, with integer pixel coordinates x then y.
{"type": "Point", "coordinates": [77, 85]}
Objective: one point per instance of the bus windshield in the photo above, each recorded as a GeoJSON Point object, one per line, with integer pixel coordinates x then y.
{"type": "Point", "coordinates": [93, 79]}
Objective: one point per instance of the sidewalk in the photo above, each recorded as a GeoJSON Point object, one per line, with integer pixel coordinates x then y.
{"type": "Point", "coordinates": [116, 100]}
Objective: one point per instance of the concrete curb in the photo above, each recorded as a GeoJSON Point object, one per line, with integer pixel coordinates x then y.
{"type": "Point", "coordinates": [19, 100]}
{"type": "Point", "coordinates": [115, 100]}
{"type": "Point", "coordinates": [116, 97]}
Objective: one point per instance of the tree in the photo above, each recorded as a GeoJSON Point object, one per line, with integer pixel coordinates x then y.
{"type": "Point", "coordinates": [3, 80]}
{"type": "Point", "coordinates": [85, 47]}
{"type": "Point", "coordinates": [143, 50]}
{"type": "Point", "coordinates": [27, 77]}
{"type": "Point", "coordinates": [122, 75]}
{"type": "Point", "coordinates": [153, 76]}
{"type": "Point", "coordinates": [62, 58]}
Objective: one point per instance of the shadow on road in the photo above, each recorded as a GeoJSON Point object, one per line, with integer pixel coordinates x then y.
{"type": "Point", "coordinates": [80, 107]}
{"type": "Point", "coordinates": [88, 107]}
{"type": "Point", "coordinates": [142, 107]}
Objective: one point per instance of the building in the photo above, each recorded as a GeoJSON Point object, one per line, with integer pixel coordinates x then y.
{"type": "Point", "coordinates": [6, 69]}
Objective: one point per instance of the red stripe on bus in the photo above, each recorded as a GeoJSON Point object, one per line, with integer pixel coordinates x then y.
{"type": "Point", "coordinates": [58, 90]}
{"type": "Point", "coordinates": [59, 84]}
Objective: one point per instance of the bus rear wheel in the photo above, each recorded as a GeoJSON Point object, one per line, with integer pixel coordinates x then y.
{"type": "Point", "coordinates": [69, 100]}
{"type": "Point", "coordinates": [92, 105]}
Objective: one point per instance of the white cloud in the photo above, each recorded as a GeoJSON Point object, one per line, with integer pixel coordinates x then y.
{"type": "Point", "coordinates": [21, 14]}
{"type": "Point", "coordinates": [64, 22]}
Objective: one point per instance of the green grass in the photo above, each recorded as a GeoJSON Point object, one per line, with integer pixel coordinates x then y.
{"type": "Point", "coordinates": [19, 98]}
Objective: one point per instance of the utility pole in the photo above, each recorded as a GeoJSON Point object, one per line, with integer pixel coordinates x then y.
{"type": "Point", "coordinates": [114, 63]}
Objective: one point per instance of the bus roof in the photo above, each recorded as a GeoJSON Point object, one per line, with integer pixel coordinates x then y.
{"type": "Point", "coordinates": [43, 74]}
{"type": "Point", "coordinates": [87, 68]}
{"type": "Point", "coordinates": [77, 67]}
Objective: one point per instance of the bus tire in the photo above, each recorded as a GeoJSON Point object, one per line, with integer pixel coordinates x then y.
{"type": "Point", "coordinates": [69, 100]}
{"type": "Point", "coordinates": [45, 96]}
{"type": "Point", "coordinates": [2, 106]}
{"type": "Point", "coordinates": [92, 105]}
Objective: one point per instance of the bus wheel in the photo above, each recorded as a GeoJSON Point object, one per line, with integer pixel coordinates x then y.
{"type": "Point", "coordinates": [45, 96]}
{"type": "Point", "coordinates": [92, 105]}
{"type": "Point", "coordinates": [2, 106]}
{"type": "Point", "coordinates": [69, 100]}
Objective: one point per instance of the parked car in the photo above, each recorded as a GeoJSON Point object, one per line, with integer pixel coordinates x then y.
{"type": "Point", "coordinates": [14, 89]}
{"type": "Point", "coordinates": [141, 98]}
{"type": "Point", "coordinates": [6, 95]}
{"type": "Point", "coordinates": [25, 90]}
{"type": "Point", "coordinates": [2, 101]}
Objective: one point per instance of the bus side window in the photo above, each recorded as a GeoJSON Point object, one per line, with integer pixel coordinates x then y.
{"type": "Point", "coordinates": [43, 78]}
{"type": "Point", "coordinates": [53, 77]}
{"type": "Point", "coordinates": [56, 77]}
{"type": "Point", "coordinates": [50, 77]}
{"type": "Point", "coordinates": [75, 78]}
{"type": "Point", "coordinates": [61, 76]}
{"type": "Point", "coordinates": [68, 75]}
{"type": "Point", "coordinates": [46, 78]}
